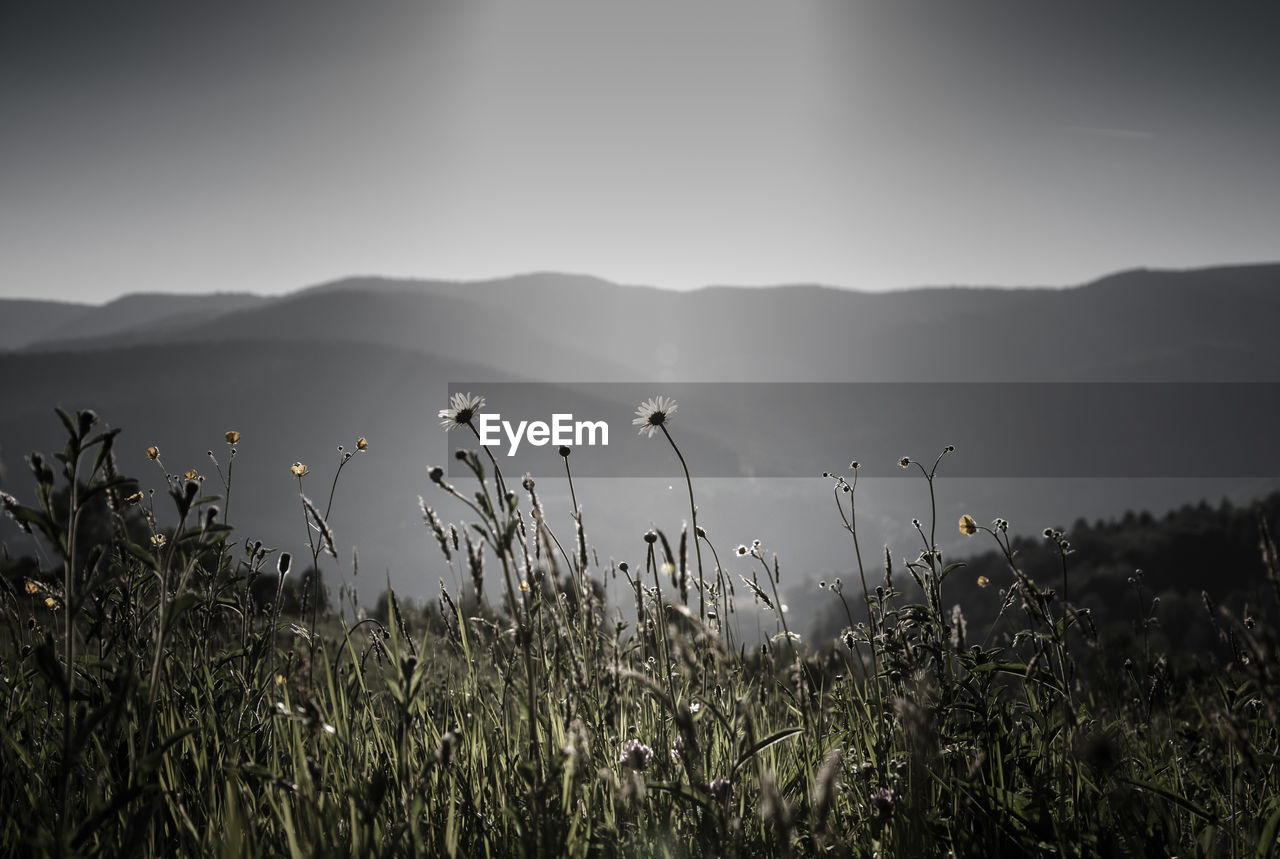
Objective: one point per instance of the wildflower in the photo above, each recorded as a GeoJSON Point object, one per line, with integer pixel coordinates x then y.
{"type": "Point", "coordinates": [653, 414]}
{"type": "Point", "coordinates": [158, 540]}
{"type": "Point", "coordinates": [153, 452]}
{"type": "Point", "coordinates": [636, 754]}
{"type": "Point", "coordinates": [32, 588]}
{"type": "Point", "coordinates": [462, 408]}
{"type": "Point", "coordinates": [882, 801]}
{"type": "Point", "coordinates": [983, 581]}
{"type": "Point", "coordinates": [50, 603]}
{"type": "Point", "coordinates": [232, 437]}
{"type": "Point", "coordinates": [524, 585]}
{"type": "Point", "coordinates": [135, 498]}
{"type": "Point", "coordinates": [191, 474]}
{"type": "Point", "coordinates": [362, 443]}
{"type": "Point", "coordinates": [905, 462]}
{"type": "Point", "coordinates": [299, 470]}
{"type": "Point", "coordinates": [968, 525]}
{"type": "Point", "coordinates": [677, 749]}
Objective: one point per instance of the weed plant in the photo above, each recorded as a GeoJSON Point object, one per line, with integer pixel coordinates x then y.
{"type": "Point", "coordinates": [155, 702]}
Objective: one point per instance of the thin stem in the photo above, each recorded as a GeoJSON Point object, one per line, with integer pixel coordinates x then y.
{"type": "Point", "coordinates": [73, 516]}
{"type": "Point", "coordinates": [851, 525]}
{"type": "Point", "coordinates": [693, 511]}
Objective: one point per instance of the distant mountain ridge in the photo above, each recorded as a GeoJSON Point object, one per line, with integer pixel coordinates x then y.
{"type": "Point", "coordinates": [52, 326]}
{"type": "Point", "coordinates": [1143, 325]}
{"type": "Point", "coordinates": [300, 373]}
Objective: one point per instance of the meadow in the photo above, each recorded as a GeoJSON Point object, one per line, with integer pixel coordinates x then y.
{"type": "Point", "coordinates": [170, 688]}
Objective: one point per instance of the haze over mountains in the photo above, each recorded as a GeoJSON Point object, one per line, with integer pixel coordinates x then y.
{"type": "Point", "coordinates": [1200, 325]}
{"type": "Point", "coordinates": [299, 374]}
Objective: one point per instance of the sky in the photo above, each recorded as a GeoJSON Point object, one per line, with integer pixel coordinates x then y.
{"type": "Point", "coordinates": [264, 147]}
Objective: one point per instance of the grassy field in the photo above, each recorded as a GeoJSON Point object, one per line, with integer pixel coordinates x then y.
{"type": "Point", "coordinates": [169, 689]}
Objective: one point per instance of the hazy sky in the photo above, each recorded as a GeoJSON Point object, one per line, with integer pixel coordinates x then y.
{"type": "Point", "coordinates": [266, 146]}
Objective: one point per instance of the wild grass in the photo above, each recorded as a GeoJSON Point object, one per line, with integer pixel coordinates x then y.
{"type": "Point", "coordinates": [166, 691]}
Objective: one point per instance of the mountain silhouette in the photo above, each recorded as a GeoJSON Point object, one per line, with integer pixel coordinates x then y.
{"type": "Point", "coordinates": [299, 374]}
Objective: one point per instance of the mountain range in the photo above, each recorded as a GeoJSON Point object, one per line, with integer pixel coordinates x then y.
{"type": "Point", "coordinates": [299, 374]}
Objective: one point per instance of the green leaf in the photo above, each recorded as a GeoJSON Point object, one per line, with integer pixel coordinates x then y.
{"type": "Point", "coordinates": [107, 439]}
{"type": "Point", "coordinates": [153, 761]}
{"type": "Point", "coordinates": [68, 423]}
{"type": "Point", "coordinates": [141, 554]}
{"type": "Point", "coordinates": [178, 607]}
{"type": "Point", "coordinates": [1180, 801]}
{"type": "Point", "coordinates": [776, 737]}
{"type": "Point", "coordinates": [1267, 841]}
{"type": "Point", "coordinates": [27, 517]}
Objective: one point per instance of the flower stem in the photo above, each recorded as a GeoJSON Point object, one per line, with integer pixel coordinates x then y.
{"type": "Point", "coordinates": [693, 511]}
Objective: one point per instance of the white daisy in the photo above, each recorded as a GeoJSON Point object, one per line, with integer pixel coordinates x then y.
{"type": "Point", "coordinates": [463, 407]}
{"type": "Point", "coordinates": [653, 414]}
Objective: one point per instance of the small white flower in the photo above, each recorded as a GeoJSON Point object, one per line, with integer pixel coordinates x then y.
{"type": "Point", "coordinates": [653, 414]}
{"type": "Point", "coordinates": [463, 407]}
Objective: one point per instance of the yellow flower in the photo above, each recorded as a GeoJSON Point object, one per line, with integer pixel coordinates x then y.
{"type": "Point", "coordinates": [158, 540]}
{"type": "Point", "coordinates": [153, 452]}
{"type": "Point", "coordinates": [50, 603]}
{"type": "Point", "coordinates": [299, 469]}
{"type": "Point", "coordinates": [32, 588]}
{"type": "Point", "coordinates": [233, 437]}
{"type": "Point", "coordinates": [362, 443]}
{"type": "Point", "coordinates": [191, 474]}
{"type": "Point", "coordinates": [983, 581]}
{"type": "Point", "coordinates": [135, 498]}
{"type": "Point", "coordinates": [524, 585]}
{"type": "Point", "coordinates": [968, 526]}
{"type": "Point", "coordinates": [279, 679]}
